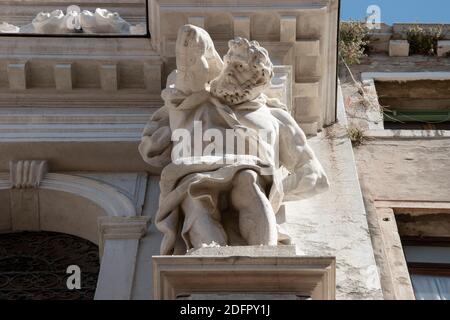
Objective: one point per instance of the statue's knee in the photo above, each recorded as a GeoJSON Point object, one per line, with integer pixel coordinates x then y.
{"type": "Point", "coordinates": [246, 177]}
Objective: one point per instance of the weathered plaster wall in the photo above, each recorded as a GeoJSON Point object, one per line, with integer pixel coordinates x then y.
{"type": "Point", "coordinates": [400, 170]}
{"type": "Point", "coordinates": [335, 223]}
{"type": "Point", "coordinates": [394, 167]}
{"type": "Point", "coordinates": [405, 169]}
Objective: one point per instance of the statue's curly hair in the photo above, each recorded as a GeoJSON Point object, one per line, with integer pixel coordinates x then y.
{"type": "Point", "coordinates": [253, 54]}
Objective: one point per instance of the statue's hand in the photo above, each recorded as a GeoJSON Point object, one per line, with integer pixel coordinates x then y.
{"type": "Point", "coordinates": [152, 145]}
{"type": "Point", "coordinates": [156, 144]}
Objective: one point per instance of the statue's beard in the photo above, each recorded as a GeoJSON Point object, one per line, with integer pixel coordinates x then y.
{"type": "Point", "coordinates": [227, 89]}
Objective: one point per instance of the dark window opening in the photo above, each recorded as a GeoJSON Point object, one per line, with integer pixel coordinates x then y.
{"type": "Point", "coordinates": [429, 267]}
{"type": "Point", "coordinates": [33, 266]}
{"type": "Point", "coordinates": [415, 105]}
{"type": "Point", "coordinates": [425, 238]}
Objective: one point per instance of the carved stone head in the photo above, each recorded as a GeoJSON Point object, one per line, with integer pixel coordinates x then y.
{"type": "Point", "coordinates": [247, 72]}
{"type": "Point", "coordinates": [197, 60]}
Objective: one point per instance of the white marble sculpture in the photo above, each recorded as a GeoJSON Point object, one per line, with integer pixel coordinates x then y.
{"type": "Point", "coordinates": [8, 28]}
{"type": "Point", "coordinates": [214, 192]}
{"type": "Point", "coordinates": [102, 21]}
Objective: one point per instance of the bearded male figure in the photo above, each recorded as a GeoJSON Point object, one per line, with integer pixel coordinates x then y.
{"type": "Point", "coordinates": [230, 197]}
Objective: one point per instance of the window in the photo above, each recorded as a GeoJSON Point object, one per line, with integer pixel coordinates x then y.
{"type": "Point", "coordinates": [428, 262]}
{"type": "Point", "coordinates": [415, 105]}
{"type": "Point", "coordinates": [414, 242]}
{"type": "Point", "coordinates": [53, 17]}
{"type": "Point", "coordinates": [33, 266]}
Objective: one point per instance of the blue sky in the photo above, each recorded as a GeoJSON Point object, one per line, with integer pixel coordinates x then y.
{"type": "Point", "coordinates": [424, 11]}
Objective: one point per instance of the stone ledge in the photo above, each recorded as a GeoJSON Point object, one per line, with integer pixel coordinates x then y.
{"type": "Point", "coordinates": [247, 271]}
{"type": "Point", "coordinates": [247, 251]}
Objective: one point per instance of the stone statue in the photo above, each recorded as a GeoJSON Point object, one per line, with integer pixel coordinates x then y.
{"type": "Point", "coordinates": [102, 21]}
{"type": "Point", "coordinates": [229, 154]}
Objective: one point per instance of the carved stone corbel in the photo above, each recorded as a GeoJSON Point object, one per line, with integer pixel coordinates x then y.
{"type": "Point", "coordinates": [27, 173]}
{"type": "Point", "coordinates": [25, 177]}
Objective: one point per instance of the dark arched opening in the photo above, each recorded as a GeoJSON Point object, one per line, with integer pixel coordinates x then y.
{"type": "Point", "coordinates": [33, 265]}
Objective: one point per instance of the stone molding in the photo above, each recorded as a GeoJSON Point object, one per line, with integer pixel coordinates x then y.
{"type": "Point", "coordinates": [27, 173]}
{"type": "Point", "coordinates": [108, 198]}
{"type": "Point", "coordinates": [176, 276]}
{"type": "Point", "coordinates": [69, 124]}
{"type": "Point", "coordinates": [404, 76]}
{"type": "Point", "coordinates": [113, 202]}
{"type": "Point", "coordinates": [121, 228]}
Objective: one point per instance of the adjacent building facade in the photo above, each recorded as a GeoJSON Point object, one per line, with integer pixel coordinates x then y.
{"type": "Point", "coordinates": [400, 107]}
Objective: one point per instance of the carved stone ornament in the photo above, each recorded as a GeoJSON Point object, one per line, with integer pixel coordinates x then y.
{"type": "Point", "coordinates": [229, 154]}
{"type": "Point", "coordinates": [101, 21]}
{"type": "Point", "coordinates": [27, 173]}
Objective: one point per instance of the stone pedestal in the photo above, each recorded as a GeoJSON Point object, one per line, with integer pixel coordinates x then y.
{"type": "Point", "coordinates": [247, 272]}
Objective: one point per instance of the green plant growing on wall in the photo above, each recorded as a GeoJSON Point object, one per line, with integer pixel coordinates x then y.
{"type": "Point", "coordinates": [353, 41]}
{"type": "Point", "coordinates": [356, 136]}
{"type": "Point", "coordinates": [424, 40]}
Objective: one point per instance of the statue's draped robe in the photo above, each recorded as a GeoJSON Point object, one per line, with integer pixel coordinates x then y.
{"type": "Point", "coordinates": [207, 178]}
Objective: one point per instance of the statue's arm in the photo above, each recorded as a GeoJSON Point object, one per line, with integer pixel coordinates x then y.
{"type": "Point", "coordinates": [307, 176]}
{"type": "Point", "coordinates": [156, 145]}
